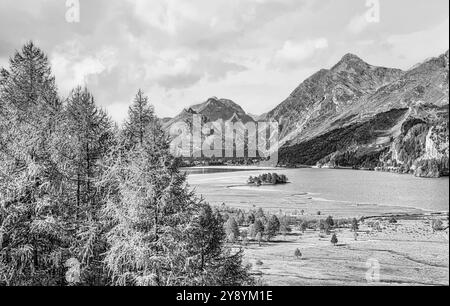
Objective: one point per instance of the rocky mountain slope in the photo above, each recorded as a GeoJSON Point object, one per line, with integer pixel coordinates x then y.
{"type": "Point", "coordinates": [313, 107]}
{"type": "Point", "coordinates": [361, 116]}
{"type": "Point", "coordinates": [212, 110]}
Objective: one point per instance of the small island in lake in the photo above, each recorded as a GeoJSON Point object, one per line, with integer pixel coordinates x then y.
{"type": "Point", "coordinates": [268, 179]}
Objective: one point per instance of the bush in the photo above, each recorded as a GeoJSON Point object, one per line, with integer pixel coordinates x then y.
{"type": "Point", "coordinates": [393, 221]}
{"type": "Point", "coordinates": [437, 225]}
{"type": "Point", "coordinates": [298, 253]}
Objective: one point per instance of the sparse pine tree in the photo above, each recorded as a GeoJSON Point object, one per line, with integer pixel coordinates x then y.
{"type": "Point", "coordinates": [259, 227]}
{"type": "Point", "coordinates": [259, 238]}
{"type": "Point", "coordinates": [303, 226]}
{"type": "Point", "coordinates": [330, 222]}
{"type": "Point", "coordinates": [272, 227]}
{"type": "Point", "coordinates": [298, 253]}
{"type": "Point", "coordinates": [355, 225]}
{"type": "Point", "coordinates": [232, 227]}
{"type": "Point", "coordinates": [285, 228]}
{"type": "Point", "coordinates": [334, 240]}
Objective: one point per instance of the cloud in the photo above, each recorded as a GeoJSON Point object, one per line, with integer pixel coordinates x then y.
{"type": "Point", "coordinates": [358, 24]}
{"type": "Point", "coordinates": [74, 68]}
{"type": "Point", "coordinates": [371, 16]}
{"type": "Point", "coordinates": [432, 42]}
{"type": "Point", "coordinates": [293, 53]}
{"type": "Point", "coordinates": [181, 52]}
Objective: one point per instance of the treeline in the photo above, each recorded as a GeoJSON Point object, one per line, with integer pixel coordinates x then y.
{"type": "Point", "coordinates": [343, 139]}
{"type": "Point", "coordinates": [85, 202]}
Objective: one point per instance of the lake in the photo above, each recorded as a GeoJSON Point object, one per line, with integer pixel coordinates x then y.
{"type": "Point", "coordinates": [337, 192]}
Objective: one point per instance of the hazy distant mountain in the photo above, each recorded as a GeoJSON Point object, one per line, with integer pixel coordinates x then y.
{"type": "Point", "coordinates": [358, 115]}
{"type": "Point", "coordinates": [212, 110]}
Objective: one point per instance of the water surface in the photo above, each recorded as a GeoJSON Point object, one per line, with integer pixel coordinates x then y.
{"type": "Point", "coordinates": [348, 189]}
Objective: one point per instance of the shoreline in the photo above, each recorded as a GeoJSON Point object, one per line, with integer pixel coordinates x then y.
{"type": "Point", "coordinates": [261, 189]}
{"type": "Point", "coordinates": [254, 191]}
{"type": "Point", "coordinates": [257, 168]}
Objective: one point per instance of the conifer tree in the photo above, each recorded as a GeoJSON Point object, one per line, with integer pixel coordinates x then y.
{"type": "Point", "coordinates": [232, 228]}
{"type": "Point", "coordinates": [84, 137]}
{"type": "Point", "coordinates": [272, 227]}
{"type": "Point", "coordinates": [33, 235]}
{"type": "Point", "coordinates": [159, 233]}
{"type": "Point", "coordinates": [142, 124]}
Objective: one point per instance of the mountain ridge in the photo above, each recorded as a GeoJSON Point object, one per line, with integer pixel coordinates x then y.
{"type": "Point", "coordinates": [399, 119]}
{"type": "Point", "coordinates": [357, 115]}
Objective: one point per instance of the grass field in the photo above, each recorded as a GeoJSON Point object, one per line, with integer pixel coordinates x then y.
{"type": "Point", "coordinates": [407, 253]}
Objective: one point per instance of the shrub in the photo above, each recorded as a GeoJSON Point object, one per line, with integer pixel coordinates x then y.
{"type": "Point", "coordinates": [393, 221]}
{"type": "Point", "coordinates": [334, 240]}
{"type": "Point", "coordinates": [298, 253]}
{"type": "Point", "coordinates": [437, 225]}
{"type": "Point", "coordinates": [329, 221]}
{"type": "Point", "coordinates": [355, 225]}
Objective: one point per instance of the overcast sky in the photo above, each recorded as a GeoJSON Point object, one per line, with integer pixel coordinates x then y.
{"type": "Point", "coordinates": [180, 52]}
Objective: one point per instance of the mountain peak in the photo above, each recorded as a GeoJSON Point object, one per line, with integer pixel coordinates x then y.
{"type": "Point", "coordinates": [350, 57]}
{"type": "Point", "coordinates": [350, 60]}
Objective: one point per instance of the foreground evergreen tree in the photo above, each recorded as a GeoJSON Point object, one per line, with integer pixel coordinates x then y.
{"type": "Point", "coordinates": [142, 125]}
{"type": "Point", "coordinates": [84, 137]}
{"type": "Point", "coordinates": [78, 198]}
{"type": "Point", "coordinates": [160, 234]}
{"type": "Point", "coordinates": [33, 235]}
{"type": "Point", "coordinates": [211, 262]}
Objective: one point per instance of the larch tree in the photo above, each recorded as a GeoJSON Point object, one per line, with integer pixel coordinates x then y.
{"type": "Point", "coordinates": [232, 228]}
{"type": "Point", "coordinates": [147, 204]}
{"type": "Point", "coordinates": [142, 122]}
{"type": "Point", "coordinates": [272, 227]}
{"type": "Point", "coordinates": [85, 136]}
{"type": "Point", "coordinates": [33, 234]}
{"type": "Point", "coordinates": [148, 208]}
{"type": "Point", "coordinates": [210, 261]}
{"type": "Point", "coordinates": [159, 233]}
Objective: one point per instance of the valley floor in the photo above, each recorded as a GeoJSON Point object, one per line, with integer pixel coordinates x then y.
{"type": "Point", "coordinates": [407, 253]}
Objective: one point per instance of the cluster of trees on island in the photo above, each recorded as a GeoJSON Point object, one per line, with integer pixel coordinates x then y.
{"type": "Point", "coordinates": [86, 202]}
{"type": "Point", "coordinates": [268, 179]}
